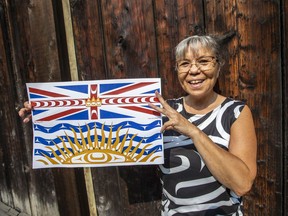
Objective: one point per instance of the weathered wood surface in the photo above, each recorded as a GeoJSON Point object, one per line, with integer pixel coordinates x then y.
{"type": "Point", "coordinates": [259, 82]}
{"type": "Point", "coordinates": [31, 43]}
{"type": "Point", "coordinates": [253, 73]}
{"type": "Point", "coordinates": [174, 21]}
{"type": "Point", "coordinates": [124, 45]}
{"type": "Point", "coordinates": [284, 63]}
{"type": "Point", "coordinates": [13, 191]}
{"type": "Point", "coordinates": [136, 38]}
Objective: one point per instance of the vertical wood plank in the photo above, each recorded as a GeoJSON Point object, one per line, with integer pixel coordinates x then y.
{"type": "Point", "coordinates": [221, 20]}
{"type": "Point", "coordinates": [259, 79]}
{"type": "Point", "coordinates": [167, 38]}
{"type": "Point", "coordinates": [13, 192]}
{"type": "Point", "coordinates": [190, 18]}
{"type": "Point", "coordinates": [34, 56]}
{"type": "Point", "coordinates": [5, 193]}
{"type": "Point", "coordinates": [174, 21]}
{"type": "Point", "coordinates": [70, 40]}
{"type": "Point", "coordinates": [19, 62]}
{"type": "Point", "coordinates": [284, 45]}
{"type": "Point", "coordinates": [89, 41]}
{"type": "Point", "coordinates": [43, 42]}
{"type": "Point", "coordinates": [253, 73]}
{"type": "Point", "coordinates": [129, 35]}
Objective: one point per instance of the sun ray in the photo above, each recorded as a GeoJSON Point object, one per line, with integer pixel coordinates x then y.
{"type": "Point", "coordinates": [96, 142]}
{"type": "Point", "coordinates": [43, 161]}
{"type": "Point", "coordinates": [61, 152]}
{"type": "Point", "coordinates": [70, 142]}
{"type": "Point", "coordinates": [65, 147]}
{"type": "Point", "coordinates": [84, 144]}
{"type": "Point", "coordinates": [135, 149]}
{"type": "Point", "coordinates": [109, 141]}
{"type": "Point", "coordinates": [142, 152]}
{"type": "Point", "coordinates": [50, 159]}
{"type": "Point", "coordinates": [117, 140]}
{"type": "Point", "coordinates": [54, 153]}
{"type": "Point", "coordinates": [103, 137]}
{"type": "Point", "coordinates": [123, 141]}
{"type": "Point", "coordinates": [76, 140]}
{"type": "Point", "coordinates": [90, 144]}
{"type": "Point", "coordinates": [127, 150]}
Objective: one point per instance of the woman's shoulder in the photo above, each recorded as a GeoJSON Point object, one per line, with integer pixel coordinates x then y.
{"type": "Point", "coordinates": [233, 102]}
{"type": "Point", "coordinates": [231, 108]}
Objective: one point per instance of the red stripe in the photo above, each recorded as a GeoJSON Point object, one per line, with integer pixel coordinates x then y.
{"type": "Point", "coordinates": [143, 110]}
{"type": "Point", "coordinates": [129, 88]}
{"type": "Point", "coordinates": [46, 93]}
{"type": "Point", "coordinates": [58, 115]}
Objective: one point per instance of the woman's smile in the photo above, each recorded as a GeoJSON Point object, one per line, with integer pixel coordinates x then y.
{"type": "Point", "coordinates": [196, 83]}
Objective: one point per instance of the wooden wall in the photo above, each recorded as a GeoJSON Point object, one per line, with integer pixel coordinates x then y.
{"type": "Point", "coordinates": [54, 40]}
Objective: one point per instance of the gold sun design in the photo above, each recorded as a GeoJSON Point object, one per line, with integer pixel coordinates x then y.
{"type": "Point", "coordinates": [98, 151]}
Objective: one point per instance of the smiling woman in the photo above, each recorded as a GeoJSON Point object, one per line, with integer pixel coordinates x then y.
{"type": "Point", "coordinates": [209, 139]}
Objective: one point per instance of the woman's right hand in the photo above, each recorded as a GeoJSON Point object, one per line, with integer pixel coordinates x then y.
{"type": "Point", "coordinates": [25, 112]}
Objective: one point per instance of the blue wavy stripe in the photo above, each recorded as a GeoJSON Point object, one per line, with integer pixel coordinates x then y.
{"type": "Point", "coordinates": [84, 128]}
{"type": "Point", "coordinates": [42, 152]}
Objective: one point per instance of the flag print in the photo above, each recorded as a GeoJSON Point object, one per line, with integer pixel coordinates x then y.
{"type": "Point", "coordinates": [95, 123]}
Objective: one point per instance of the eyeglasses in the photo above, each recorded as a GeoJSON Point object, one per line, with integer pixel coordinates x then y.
{"type": "Point", "coordinates": [203, 63]}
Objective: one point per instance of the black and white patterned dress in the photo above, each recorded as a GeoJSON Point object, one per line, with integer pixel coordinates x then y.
{"type": "Point", "coordinates": [188, 186]}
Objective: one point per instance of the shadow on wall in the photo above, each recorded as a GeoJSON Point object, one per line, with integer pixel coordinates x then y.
{"type": "Point", "coordinates": [143, 183]}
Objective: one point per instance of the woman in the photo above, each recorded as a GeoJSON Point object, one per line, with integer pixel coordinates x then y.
{"type": "Point", "coordinates": [209, 140]}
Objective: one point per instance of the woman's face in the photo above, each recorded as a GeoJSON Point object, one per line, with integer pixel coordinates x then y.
{"type": "Point", "coordinates": [198, 81]}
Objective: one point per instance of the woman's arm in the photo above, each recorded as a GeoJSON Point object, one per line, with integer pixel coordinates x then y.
{"type": "Point", "coordinates": [235, 168]}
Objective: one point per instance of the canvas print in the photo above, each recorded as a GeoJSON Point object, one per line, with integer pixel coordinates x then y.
{"type": "Point", "coordinates": [96, 123]}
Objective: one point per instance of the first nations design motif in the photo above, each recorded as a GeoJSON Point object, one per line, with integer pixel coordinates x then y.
{"type": "Point", "coordinates": [95, 123]}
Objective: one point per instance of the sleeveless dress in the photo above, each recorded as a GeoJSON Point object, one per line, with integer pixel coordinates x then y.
{"type": "Point", "coordinates": [188, 186]}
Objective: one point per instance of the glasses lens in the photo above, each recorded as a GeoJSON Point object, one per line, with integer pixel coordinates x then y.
{"type": "Point", "coordinates": [184, 66]}
{"type": "Point", "coordinates": [203, 63]}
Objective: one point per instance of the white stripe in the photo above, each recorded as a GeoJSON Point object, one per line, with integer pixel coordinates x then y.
{"type": "Point", "coordinates": [194, 183]}
{"type": "Point", "coordinates": [197, 208]}
{"type": "Point", "coordinates": [211, 118]}
{"type": "Point", "coordinates": [219, 126]}
{"type": "Point", "coordinates": [195, 200]}
{"type": "Point", "coordinates": [237, 111]}
{"type": "Point", "coordinates": [219, 140]}
{"type": "Point", "coordinates": [176, 144]}
{"type": "Point", "coordinates": [185, 164]}
{"type": "Point", "coordinates": [174, 138]}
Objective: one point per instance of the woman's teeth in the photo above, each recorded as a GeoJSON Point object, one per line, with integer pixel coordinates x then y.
{"type": "Point", "coordinates": [196, 81]}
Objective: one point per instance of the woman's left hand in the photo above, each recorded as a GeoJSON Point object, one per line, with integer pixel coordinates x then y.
{"type": "Point", "coordinates": [176, 120]}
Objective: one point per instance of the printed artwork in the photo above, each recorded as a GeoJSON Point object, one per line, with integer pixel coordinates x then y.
{"type": "Point", "coordinates": [96, 123]}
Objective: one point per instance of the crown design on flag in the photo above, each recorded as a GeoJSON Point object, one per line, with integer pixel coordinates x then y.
{"type": "Point", "coordinates": [93, 102]}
